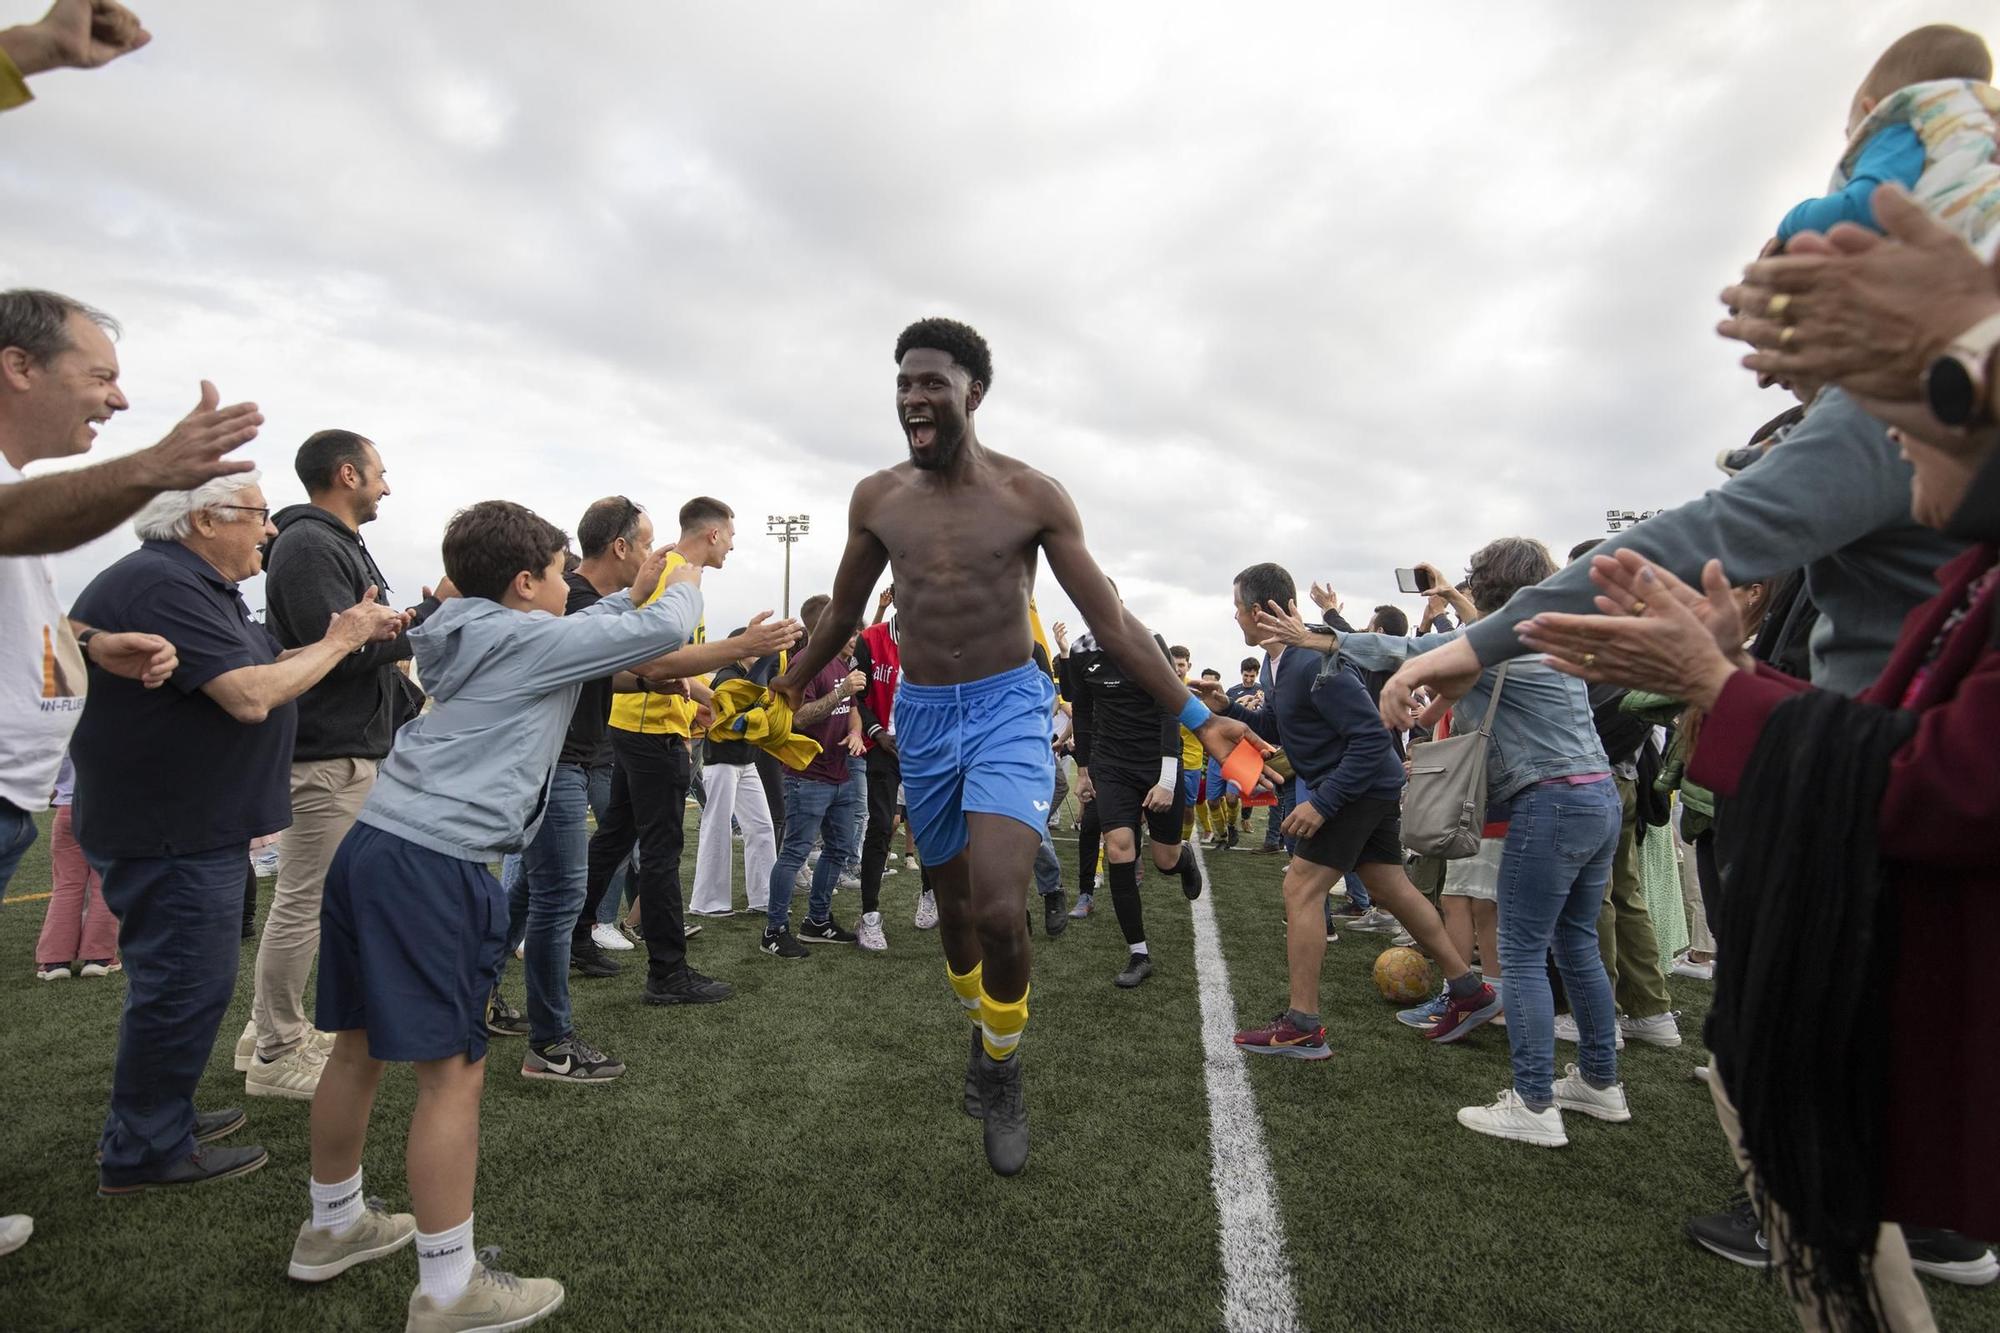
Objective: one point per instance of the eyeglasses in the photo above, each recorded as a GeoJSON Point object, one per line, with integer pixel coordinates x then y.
{"type": "Point", "coordinates": [263, 515]}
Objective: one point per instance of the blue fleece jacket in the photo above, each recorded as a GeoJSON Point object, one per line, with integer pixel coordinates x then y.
{"type": "Point", "coordinates": [470, 778]}
{"type": "Point", "coordinates": [1329, 729]}
{"type": "Point", "coordinates": [1893, 153]}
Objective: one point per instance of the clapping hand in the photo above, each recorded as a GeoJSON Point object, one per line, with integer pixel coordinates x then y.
{"type": "Point", "coordinates": [1324, 597]}
{"type": "Point", "coordinates": [764, 636]}
{"type": "Point", "coordinates": [192, 452]}
{"type": "Point", "coordinates": [366, 622]}
{"type": "Point", "coordinates": [146, 658]}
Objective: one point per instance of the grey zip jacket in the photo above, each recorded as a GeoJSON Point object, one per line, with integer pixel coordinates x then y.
{"type": "Point", "coordinates": [470, 778]}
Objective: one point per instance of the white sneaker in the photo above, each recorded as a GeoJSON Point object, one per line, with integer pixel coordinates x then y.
{"type": "Point", "coordinates": [1659, 1030]}
{"type": "Point", "coordinates": [869, 933]}
{"type": "Point", "coordinates": [57, 972]}
{"type": "Point", "coordinates": [848, 881]}
{"type": "Point", "coordinates": [1510, 1118]}
{"type": "Point", "coordinates": [1574, 1093]}
{"type": "Point", "coordinates": [1566, 1031]}
{"type": "Point", "coordinates": [293, 1075]}
{"type": "Point", "coordinates": [888, 871]}
{"type": "Point", "coordinates": [926, 910]}
{"type": "Point", "coordinates": [15, 1228]}
{"type": "Point", "coordinates": [608, 936]}
{"type": "Point", "coordinates": [911, 863]}
{"type": "Point", "coordinates": [100, 969]}
{"type": "Point", "coordinates": [1685, 966]}
{"type": "Point", "coordinates": [492, 1300]}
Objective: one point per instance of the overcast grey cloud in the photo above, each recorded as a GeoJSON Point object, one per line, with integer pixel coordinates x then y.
{"type": "Point", "coordinates": [1344, 290]}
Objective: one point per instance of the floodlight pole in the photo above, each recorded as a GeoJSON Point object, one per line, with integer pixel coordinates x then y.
{"type": "Point", "coordinates": [788, 528]}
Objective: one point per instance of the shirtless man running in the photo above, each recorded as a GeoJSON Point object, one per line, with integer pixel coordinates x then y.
{"type": "Point", "coordinates": [961, 526]}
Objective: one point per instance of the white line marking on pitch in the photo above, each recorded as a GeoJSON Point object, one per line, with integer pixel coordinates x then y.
{"type": "Point", "coordinates": [1256, 1276]}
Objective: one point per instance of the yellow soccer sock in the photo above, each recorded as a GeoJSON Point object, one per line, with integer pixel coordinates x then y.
{"type": "Point", "coordinates": [968, 988]}
{"type": "Point", "coordinates": [1201, 817]}
{"type": "Point", "coordinates": [1001, 1022]}
{"type": "Point", "coordinates": [1235, 811]}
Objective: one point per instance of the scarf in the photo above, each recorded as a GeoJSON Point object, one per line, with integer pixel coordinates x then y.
{"type": "Point", "coordinates": [1800, 1027]}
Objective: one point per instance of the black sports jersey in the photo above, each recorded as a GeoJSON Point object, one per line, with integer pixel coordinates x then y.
{"type": "Point", "coordinates": [1118, 724]}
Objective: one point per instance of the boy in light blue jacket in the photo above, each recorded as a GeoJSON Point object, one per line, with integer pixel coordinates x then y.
{"type": "Point", "coordinates": [413, 925]}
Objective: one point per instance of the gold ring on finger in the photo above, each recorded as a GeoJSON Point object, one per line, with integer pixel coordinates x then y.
{"type": "Point", "coordinates": [1776, 307]}
{"type": "Point", "coordinates": [1639, 607]}
{"type": "Point", "coordinates": [1788, 335]}
{"type": "Point", "coordinates": [1590, 659]}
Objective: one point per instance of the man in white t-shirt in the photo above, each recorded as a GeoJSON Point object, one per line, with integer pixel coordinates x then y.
{"type": "Point", "coordinates": [58, 383]}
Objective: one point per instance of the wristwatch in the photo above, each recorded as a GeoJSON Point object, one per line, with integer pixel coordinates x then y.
{"type": "Point", "coordinates": [1955, 382]}
{"type": "Point", "coordinates": [83, 642]}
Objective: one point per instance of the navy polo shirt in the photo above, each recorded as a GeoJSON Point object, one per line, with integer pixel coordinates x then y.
{"type": "Point", "coordinates": [167, 772]}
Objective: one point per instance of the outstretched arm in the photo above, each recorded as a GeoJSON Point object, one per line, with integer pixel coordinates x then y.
{"type": "Point", "coordinates": [1118, 630]}
{"type": "Point", "coordinates": [861, 564]}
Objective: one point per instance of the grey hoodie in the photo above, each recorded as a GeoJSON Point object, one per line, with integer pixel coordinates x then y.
{"type": "Point", "coordinates": [470, 778]}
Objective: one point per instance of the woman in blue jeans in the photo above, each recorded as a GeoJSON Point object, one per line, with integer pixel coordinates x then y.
{"type": "Point", "coordinates": [1547, 776]}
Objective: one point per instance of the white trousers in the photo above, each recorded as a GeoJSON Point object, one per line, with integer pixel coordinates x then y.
{"type": "Point", "coordinates": [733, 790]}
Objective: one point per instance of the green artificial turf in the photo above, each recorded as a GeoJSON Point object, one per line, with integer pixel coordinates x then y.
{"type": "Point", "coordinates": [796, 1159]}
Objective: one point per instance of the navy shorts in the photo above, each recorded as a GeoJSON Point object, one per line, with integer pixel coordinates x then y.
{"type": "Point", "coordinates": [410, 947]}
{"type": "Point", "coordinates": [982, 746]}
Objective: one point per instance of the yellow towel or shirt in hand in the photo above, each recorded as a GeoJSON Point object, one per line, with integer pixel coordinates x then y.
{"type": "Point", "coordinates": [746, 711]}
{"type": "Point", "coordinates": [13, 88]}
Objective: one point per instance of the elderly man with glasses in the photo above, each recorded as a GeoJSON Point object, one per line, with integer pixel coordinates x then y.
{"type": "Point", "coordinates": [172, 784]}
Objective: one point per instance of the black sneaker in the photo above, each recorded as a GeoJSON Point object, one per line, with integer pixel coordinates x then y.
{"type": "Point", "coordinates": [973, 1106]}
{"type": "Point", "coordinates": [783, 944]}
{"type": "Point", "coordinates": [590, 960]}
{"type": "Point", "coordinates": [1137, 968]}
{"type": "Point", "coordinates": [503, 1019]}
{"type": "Point", "coordinates": [1190, 873]}
{"type": "Point", "coordinates": [570, 1060]}
{"type": "Point", "coordinates": [1734, 1234]}
{"type": "Point", "coordinates": [824, 932]}
{"type": "Point", "coordinates": [999, 1085]}
{"type": "Point", "coordinates": [1055, 913]}
{"type": "Point", "coordinates": [687, 986]}
{"type": "Point", "coordinates": [1949, 1256]}
{"type": "Point", "coordinates": [198, 1167]}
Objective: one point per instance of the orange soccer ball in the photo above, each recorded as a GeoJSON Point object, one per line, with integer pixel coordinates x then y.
{"type": "Point", "coordinates": [1404, 975]}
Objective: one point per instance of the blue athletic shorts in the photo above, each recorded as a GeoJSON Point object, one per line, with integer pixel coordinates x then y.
{"type": "Point", "coordinates": [1190, 787]}
{"type": "Point", "coordinates": [1213, 778]}
{"type": "Point", "coordinates": [978, 747]}
{"type": "Point", "coordinates": [410, 947]}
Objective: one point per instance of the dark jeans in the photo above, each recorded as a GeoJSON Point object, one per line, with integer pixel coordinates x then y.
{"type": "Point", "coordinates": [649, 788]}
{"type": "Point", "coordinates": [885, 774]}
{"type": "Point", "coordinates": [545, 904]}
{"type": "Point", "coordinates": [17, 835]}
{"type": "Point", "coordinates": [825, 810]}
{"type": "Point", "coordinates": [180, 921]}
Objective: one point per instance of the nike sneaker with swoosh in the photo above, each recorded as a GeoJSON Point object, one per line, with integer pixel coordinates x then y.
{"type": "Point", "coordinates": [570, 1060]}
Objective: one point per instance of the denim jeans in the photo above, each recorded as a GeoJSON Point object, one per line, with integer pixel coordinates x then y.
{"type": "Point", "coordinates": [812, 808]}
{"type": "Point", "coordinates": [543, 903]}
{"type": "Point", "coordinates": [180, 922]}
{"type": "Point", "coordinates": [1288, 800]}
{"type": "Point", "coordinates": [616, 893]}
{"type": "Point", "coordinates": [857, 778]}
{"type": "Point", "coordinates": [17, 835]}
{"type": "Point", "coordinates": [1357, 892]}
{"type": "Point", "coordinates": [1048, 870]}
{"type": "Point", "coordinates": [1560, 841]}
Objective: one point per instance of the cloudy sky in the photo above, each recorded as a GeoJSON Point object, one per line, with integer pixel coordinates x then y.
{"type": "Point", "coordinates": [1305, 283]}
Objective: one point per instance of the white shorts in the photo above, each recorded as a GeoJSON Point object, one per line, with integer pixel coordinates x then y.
{"type": "Point", "coordinates": [1478, 875]}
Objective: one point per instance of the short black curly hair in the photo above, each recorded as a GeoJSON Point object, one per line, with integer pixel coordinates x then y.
{"type": "Point", "coordinates": [959, 341]}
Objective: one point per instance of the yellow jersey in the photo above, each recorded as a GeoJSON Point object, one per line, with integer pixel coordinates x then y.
{"type": "Point", "coordinates": [645, 711]}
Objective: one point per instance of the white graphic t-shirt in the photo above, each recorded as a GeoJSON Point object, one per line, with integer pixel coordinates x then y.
{"type": "Point", "coordinates": [41, 676]}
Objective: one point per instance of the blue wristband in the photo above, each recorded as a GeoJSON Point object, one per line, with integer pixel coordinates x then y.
{"type": "Point", "coordinates": [1194, 713]}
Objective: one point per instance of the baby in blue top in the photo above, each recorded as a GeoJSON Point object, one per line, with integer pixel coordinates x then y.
{"type": "Point", "coordinates": [1925, 100]}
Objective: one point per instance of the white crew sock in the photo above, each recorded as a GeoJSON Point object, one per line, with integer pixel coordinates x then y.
{"type": "Point", "coordinates": [444, 1263]}
{"type": "Point", "coordinates": [1140, 947]}
{"type": "Point", "coordinates": [337, 1207]}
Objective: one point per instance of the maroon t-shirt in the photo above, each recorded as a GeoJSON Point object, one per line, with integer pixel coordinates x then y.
{"type": "Point", "coordinates": [831, 730]}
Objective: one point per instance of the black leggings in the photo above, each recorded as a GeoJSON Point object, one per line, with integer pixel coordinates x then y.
{"type": "Point", "coordinates": [885, 774]}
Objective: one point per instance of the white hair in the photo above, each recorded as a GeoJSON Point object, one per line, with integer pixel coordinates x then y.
{"type": "Point", "coordinates": [169, 516]}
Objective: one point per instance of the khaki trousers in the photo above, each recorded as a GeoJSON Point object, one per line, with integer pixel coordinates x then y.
{"type": "Point", "coordinates": [1625, 939]}
{"type": "Point", "coordinates": [326, 796]}
{"type": "Point", "coordinates": [1903, 1304]}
